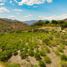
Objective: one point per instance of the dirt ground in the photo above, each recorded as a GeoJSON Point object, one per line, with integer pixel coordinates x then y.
{"type": "Point", "coordinates": [1, 65]}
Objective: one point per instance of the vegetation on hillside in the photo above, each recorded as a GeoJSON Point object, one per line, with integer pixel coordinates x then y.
{"type": "Point", "coordinates": [45, 47]}
{"type": "Point", "coordinates": [7, 25]}
{"type": "Point", "coordinates": [61, 23]}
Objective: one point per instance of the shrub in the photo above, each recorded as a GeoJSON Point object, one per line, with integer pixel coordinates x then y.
{"type": "Point", "coordinates": [47, 49]}
{"type": "Point", "coordinates": [5, 55]}
{"type": "Point", "coordinates": [57, 53]}
{"type": "Point", "coordinates": [60, 49]}
{"type": "Point", "coordinates": [37, 56]}
{"type": "Point", "coordinates": [42, 64]}
{"type": "Point", "coordinates": [23, 54]}
{"type": "Point", "coordinates": [64, 57]}
{"type": "Point", "coordinates": [12, 65]}
{"type": "Point", "coordinates": [63, 64]}
{"type": "Point", "coordinates": [47, 59]}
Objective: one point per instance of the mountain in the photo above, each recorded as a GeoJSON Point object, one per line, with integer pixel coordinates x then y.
{"type": "Point", "coordinates": [30, 22]}
{"type": "Point", "coordinates": [11, 25]}
{"type": "Point", "coordinates": [65, 19]}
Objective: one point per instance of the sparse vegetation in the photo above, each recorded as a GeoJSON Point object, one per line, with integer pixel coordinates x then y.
{"type": "Point", "coordinates": [36, 44]}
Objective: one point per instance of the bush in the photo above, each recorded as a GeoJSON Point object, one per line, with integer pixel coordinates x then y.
{"type": "Point", "coordinates": [57, 53]}
{"type": "Point", "coordinates": [5, 55]}
{"type": "Point", "coordinates": [37, 55]}
{"type": "Point", "coordinates": [23, 55]}
{"type": "Point", "coordinates": [42, 64]}
{"type": "Point", "coordinates": [64, 57]}
{"type": "Point", "coordinates": [54, 22]}
{"type": "Point", "coordinates": [12, 65]}
{"type": "Point", "coordinates": [63, 64]}
{"type": "Point", "coordinates": [60, 49]}
{"type": "Point", "coordinates": [47, 60]}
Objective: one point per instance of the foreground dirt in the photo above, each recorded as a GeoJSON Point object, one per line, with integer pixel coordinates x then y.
{"type": "Point", "coordinates": [31, 61]}
{"type": "Point", "coordinates": [1, 65]}
{"type": "Point", "coordinates": [55, 60]}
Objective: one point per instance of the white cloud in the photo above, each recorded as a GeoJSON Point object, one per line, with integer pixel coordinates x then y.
{"type": "Point", "coordinates": [27, 16]}
{"type": "Point", "coordinates": [1, 4]}
{"type": "Point", "coordinates": [12, 17]}
{"type": "Point", "coordinates": [4, 10]}
{"type": "Point", "coordinates": [59, 17]}
{"type": "Point", "coordinates": [18, 11]}
{"type": "Point", "coordinates": [49, 1]}
{"type": "Point", "coordinates": [32, 2]}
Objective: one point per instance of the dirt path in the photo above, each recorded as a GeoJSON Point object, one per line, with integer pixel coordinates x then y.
{"type": "Point", "coordinates": [1, 65]}
{"type": "Point", "coordinates": [65, 50]}
{"type": "Point", "coordinates": [54, 58]}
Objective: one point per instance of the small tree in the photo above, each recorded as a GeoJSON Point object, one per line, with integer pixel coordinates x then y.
{"type": "Point", "coordinates": [54, 22]}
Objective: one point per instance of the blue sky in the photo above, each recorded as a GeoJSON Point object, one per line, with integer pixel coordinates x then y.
{"type": "Point", "coordinates": [33, 9]}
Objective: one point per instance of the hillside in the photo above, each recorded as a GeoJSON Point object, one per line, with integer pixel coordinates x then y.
{"type": "Point", "coordinates": [7, 25]}
{"type": "Point", "coordinates": [65, 19]}
{"type": "Point", "coordinates": [30, 22]}
{"type": "Point", "coordinates": [38, 49]}
{"type": "Point", "coordinates": [42, 44]}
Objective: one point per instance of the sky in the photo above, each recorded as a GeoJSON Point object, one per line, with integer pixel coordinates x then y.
{"type": "Point", "coordinates": [25, 10]}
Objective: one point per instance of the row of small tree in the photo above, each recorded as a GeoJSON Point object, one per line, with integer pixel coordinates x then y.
{"type": "Point", "coordinates": [61, 23]}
